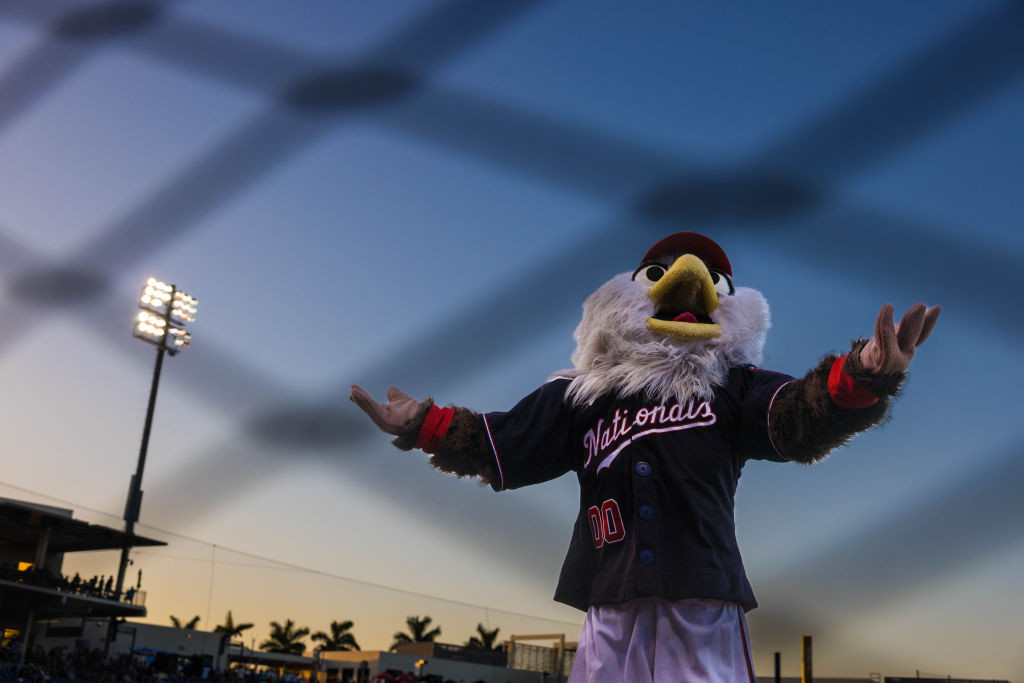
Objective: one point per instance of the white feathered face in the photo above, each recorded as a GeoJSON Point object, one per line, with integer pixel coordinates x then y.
{"type": "Point", "coordinates": [671, 329]}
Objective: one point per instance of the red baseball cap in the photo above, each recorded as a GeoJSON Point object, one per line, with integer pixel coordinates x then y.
{"type": "Point", "coordinates": [691, 243]}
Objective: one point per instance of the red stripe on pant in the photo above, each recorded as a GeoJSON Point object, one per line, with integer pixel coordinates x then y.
{"type": "Point", "coordinates": [746, 648]}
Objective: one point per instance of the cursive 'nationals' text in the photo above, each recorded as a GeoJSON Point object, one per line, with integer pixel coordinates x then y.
{"type": "Point", "coordinates": [606, 441]}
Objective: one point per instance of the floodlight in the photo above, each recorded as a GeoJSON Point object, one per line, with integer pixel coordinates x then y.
{"type": "Point", "coordinates": [183, 308]}
{"type": "Point", "coordinates": [165, 312]}
{"type": "Point", "coordinates": [180, 338]}
{"type": "Point", "coordinates": [161, 322]}
{"type": "Point", "coordinates": [156, 295]}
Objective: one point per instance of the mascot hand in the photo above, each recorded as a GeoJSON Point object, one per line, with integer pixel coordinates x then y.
{"type": "Point", "coordinates": [893, 346]}
{"type": "Point", "coordinates": [390, 416]}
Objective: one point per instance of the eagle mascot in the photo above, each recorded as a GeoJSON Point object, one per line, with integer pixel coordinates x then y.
{"type": "Point", "coordinates": [664, 405]}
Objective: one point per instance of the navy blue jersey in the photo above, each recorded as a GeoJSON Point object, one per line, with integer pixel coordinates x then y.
{"type": "Point", "coordinates": [657, 482]}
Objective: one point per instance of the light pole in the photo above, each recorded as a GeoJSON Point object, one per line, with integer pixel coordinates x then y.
{"type": "Point", "coordinates": [161, 321]}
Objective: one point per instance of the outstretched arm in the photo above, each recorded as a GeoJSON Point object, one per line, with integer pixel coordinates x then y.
{"type": "Point", "coordinates": [455, 437]}
{"type": "Point", "coordinates": [848, 394]}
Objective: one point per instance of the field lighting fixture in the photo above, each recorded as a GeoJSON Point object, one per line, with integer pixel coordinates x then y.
{"type": "Point", "coordinates": [164, 311]}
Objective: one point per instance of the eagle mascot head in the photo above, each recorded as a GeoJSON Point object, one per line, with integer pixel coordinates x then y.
{"type": "Point", "coordinates": [669, 329]}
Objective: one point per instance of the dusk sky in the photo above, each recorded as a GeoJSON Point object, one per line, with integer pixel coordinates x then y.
{"type": "Point", "coordinates": [422, 193]}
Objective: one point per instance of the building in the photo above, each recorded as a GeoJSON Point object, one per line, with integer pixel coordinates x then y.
{"type": "Point", "coordinates": [355, 667]}
{"type": "Point", "coordinates": [33, 541]}
{"type": "Point", "coordinates": [143, 640]}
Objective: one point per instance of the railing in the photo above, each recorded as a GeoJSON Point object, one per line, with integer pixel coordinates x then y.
{"type": "Point", "coordinates": [65, 585]}
{"type": "Point", "coordinates": [138, 599]}
{"type": "Point", "coordinates": [459, 653]}
{"type": "Point", "coordinates": [539, 658]}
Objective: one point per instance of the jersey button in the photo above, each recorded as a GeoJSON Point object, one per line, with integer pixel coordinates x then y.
{"type": "Point", "coordinates": [642, 468]}
{"type": "Point", "coordinates": [645, 512]}
{"type": "Point", "coordinates": [646, 557]}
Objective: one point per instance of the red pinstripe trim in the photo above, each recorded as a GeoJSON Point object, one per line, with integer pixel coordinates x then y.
{"type": "Point", "coordinates": [746, 647]}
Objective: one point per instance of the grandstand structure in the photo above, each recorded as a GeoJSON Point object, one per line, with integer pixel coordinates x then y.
{"type": "Point", "coordinates": [33, 541]}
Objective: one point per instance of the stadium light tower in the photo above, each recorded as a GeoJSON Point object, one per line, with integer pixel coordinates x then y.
{"type": "Point", "coordinates": [165, 310]}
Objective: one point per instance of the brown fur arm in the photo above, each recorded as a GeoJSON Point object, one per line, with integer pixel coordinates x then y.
{"type": "Point", "coordinates": [465, 450]}
{"type": "Point", "coordinates": [805, 424]}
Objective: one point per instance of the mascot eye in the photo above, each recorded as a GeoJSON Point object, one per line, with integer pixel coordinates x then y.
{"type": "Point", "coordinates": [723, 284]}
{"type": "Point", "coordinates": [649, 273]}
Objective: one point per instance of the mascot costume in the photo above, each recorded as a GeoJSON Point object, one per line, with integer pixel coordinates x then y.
{"type": "Point", "coordinates": [662, 409]}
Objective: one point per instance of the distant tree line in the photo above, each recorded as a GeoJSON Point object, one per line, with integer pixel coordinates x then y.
{"type": "Point", "coordinates": [288, 638]}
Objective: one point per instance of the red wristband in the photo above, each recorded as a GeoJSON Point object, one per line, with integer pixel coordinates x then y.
{"type": "Point", "coordinates": [434, 428]}
{"type": "Point", "coordinates": [845, 391]}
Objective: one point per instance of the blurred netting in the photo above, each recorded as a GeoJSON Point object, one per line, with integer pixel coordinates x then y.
{"type": "Point", "coordinates": [788, 188]}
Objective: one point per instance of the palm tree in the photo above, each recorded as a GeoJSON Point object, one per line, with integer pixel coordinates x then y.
{"type": "Point", "coordinates": [190, 624]}
{"type": "Point", "coordinates": [339, 639]}
{"type": "Point", "coordinates": [418, 632]}
{"type": "Point", "coordinates": [286, 639]}
{"type": "Point", "coordinates": [486, 641]}
{"type": "Point", "coordinates": [230, 628]}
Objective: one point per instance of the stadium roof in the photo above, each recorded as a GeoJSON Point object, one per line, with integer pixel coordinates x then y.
{"type": "Point", "coordinates": [21, 524]}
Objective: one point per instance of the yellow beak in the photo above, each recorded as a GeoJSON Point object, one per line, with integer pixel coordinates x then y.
{"type": "Point", "coordinates": [686, 288]}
